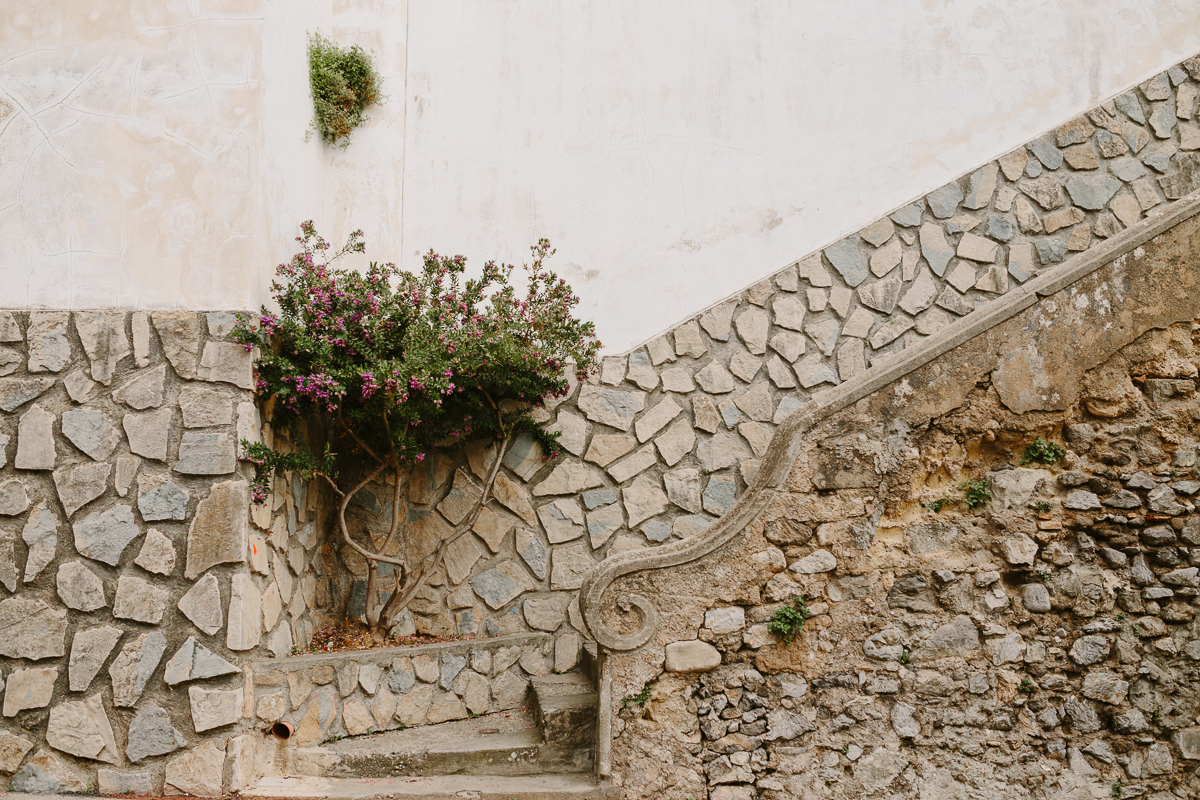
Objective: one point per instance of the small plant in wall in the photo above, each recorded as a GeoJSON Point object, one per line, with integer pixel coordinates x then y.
{"type": "Point", "coordinates": [975, 493]}
{"type": "Point", "coordinates": [1040, 451]}
{"type": "Point", "coordinates": [397, 366]}
{"type": "Point", "coordinates": [788, 620]}
{"type": "Point", "coordinates": [344, 83]}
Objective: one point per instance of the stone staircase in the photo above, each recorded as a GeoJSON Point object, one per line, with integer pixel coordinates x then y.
{"type": "Point", "coordinates": [543, 750]}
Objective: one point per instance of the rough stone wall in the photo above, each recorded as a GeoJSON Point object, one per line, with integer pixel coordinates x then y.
{"type": "Point", "coordinates": [1043, 645]}
{"type": "Point", "coordinates": [136, 579]}
{"type": "Point", "coordinates": [666, 438]}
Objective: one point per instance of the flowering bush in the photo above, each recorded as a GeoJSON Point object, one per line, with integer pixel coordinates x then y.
{"type": "Point", "coordinates": [401, 365]}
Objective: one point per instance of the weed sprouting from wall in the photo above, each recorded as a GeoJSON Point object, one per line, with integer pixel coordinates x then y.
{"type": "Point", "coordinates": [344, 82]}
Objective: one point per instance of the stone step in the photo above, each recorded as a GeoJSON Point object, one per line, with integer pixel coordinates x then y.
{"type": "Point", "coordinates": [507, 743]}
{"type": "Point", "coordinates": [567, 786]}
{"type": "Point", "coordinates": [564, 708]}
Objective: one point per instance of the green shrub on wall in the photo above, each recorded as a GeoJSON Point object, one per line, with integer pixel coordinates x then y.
{"type": "Point", "coordinates": [344, 82]}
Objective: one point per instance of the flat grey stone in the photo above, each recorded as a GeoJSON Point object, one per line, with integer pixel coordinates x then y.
{"type": "Point", "coordinates": [13, 498]}
{"type": "Point", "coordinates": [1089, 650]}
{"type": "Point", "coordinates": [502, 583]}
{"type": "Point", "coordinates": [79, 386]}
{"type": "Point", "coordinates": [157, 554]}
{"type": "Point", "coordinates": [846, 259]}
{"type": "Point", "coordinates": [958, 638]}
{"type": "Point", "coordinates": [562, 519]}
{"type": "Point", "coordinates": [1081, 500]}
{"type": "Point", "coordinates": [1051, 250]}
{"type": "Point", "coordinates": [691, 656]}
{"type": "Point", "coordinates": [813, 370]}
{"type": "Point", "coordinates": [82, 729]}
{"type": "Point", "coordinates": [35, 440]}
{"type": "Point", "coordinates": [102, 334]}
{"type": "Point", "coordinates": [193, 662]}
{"type": "Point", "coordinates": [935, 248]}
{"type": "Point", "coordinates": [1162, 119]}
{"type": "Point", "coordinates": [10, 331]}
{"type": "Point", "coordinates": [603, 523]}
{"type": "Point", "coordinates": [1092, 192]}
{"type": "Point", "coordinates": [217, 534]}
{"type": "Point", "coordinates": [999, 228]}
{"type": "Point", "coordinates": [611, 406]}
{"type": "Point", "coordinates": [881, 295]}
{"type": "Point", "coordinates": [944, 202]}
{"type": "Point", "coordinates": [719, 495]}
{"type": "Point", "coordinates": [139, 600]}
{"type": "Point", "coordinates": [981, 187]}
{"type": "Point", "coordinates": [1107, 687]}
{"type": "Point", "coordinates": [41, 535]}
{"type": "Point", "coordinates": [908, 216]}
{"type": "Point", "coordinates": [245, 628]}
{"type": "Point", "coordinates": [104, 535]}
{"type": "Point", "coordinates": [752, 328]}
{"type": "Point", "coordinates": [16, 392]}
{"type": "Point", "coordinates": [133, 666]}
{"type": "Point", "coordinates": [570, 565]}
{"type": "Point", "coordinates": [79, 588]}
{"type": "Point", "coordinates": [78, 486]}
{"type": "Point", "coordinates": [165, 501]}
{"type": "Point", "coordinates": [1046, 191]}
{"type": "Point", "coordinates": [206, 454]}
{"type": "Point", "coordinates": [1185, 179]}
{"type": "Point", "coordinates": [31, 629]}
{"type": "Point", "coordinates": [179, 333]}
{"type": "Point", "coordinates": [152, 734]}
{"type": "Point", "coordinates": [147, 433]}
{"type": "Point", "coordinates": [45, 773]}
{"type": "Point", "coordinates": [49, 346]}
{"type": "Point", "coordinates": [10, 360]}
{"type": "Point", "coordinates": [214, 708]}
{"type": "Point", "coordinates": [789, 311]}
{"type": "Point", "coordinates": [1036, 597]}
{"type": "Point", "coordinates": [1160, 162]}
{"type": "Point", "coordinates": [144, 390]}
{"type": "Point", "coordinates": [89, 650]}
{"type": "Point", "coordinates": [203, 407]}
{"type": "Point", "coordinates": [13, 749]}
{"type": "Point", "coordinates": [815, 563]}
{"type": "Point", "coordinates": [904, 721]}
{"type": "Point", "coordinates": [1050, 156]}
{"type": "Point", "coordinates": [90, 431]}
{"type": "Point", "coordinates": [202, 605]}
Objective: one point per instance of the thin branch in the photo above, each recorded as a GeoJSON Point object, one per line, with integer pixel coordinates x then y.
{"type": "Point", "coordinates": [434, 561]}
{"type": "Point", "coordinates": [365, 553]}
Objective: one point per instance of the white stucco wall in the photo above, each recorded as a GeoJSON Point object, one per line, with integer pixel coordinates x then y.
{"type": "Point", "coordinates": [152, 153]}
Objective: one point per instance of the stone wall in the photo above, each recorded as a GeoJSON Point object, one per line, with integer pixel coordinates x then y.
{"type": "Point", "coordinates": [1041, 644]}
{"type": "Point", "coordinates": [136, 579]}
{"type": "Point", "coordinates": [395, 687]}
{"type": "Point", "coordinates": [666, 438]}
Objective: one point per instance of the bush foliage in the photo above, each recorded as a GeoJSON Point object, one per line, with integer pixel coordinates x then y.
{"type": "Point", "coordinates": [344, 82]}
{"type": "Point", "coordinates": [397, 365]}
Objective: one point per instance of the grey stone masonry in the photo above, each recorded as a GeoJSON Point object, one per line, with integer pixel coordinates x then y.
{"type": "Point", "coordinates": [671, 433]}
{"type": "Point", "coordinates": [138, 577]}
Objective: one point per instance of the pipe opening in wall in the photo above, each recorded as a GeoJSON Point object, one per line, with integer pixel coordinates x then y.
{"type": "Point", "coordinates": [282, 731]}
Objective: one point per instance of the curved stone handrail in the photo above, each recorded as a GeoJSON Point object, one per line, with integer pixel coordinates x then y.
{"type": "Point", "coordinates": [780, 455]}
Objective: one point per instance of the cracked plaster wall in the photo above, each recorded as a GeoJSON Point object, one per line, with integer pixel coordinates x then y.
{"type": "Point", "coordinates": [151, 154]}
